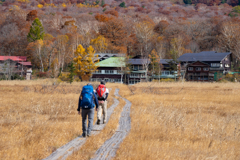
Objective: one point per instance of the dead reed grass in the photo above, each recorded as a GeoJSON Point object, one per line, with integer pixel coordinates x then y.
{"type": "Point", "coordinates": [169, 120]}
{"type": "Point", "coordinates": [38, 118]}
{"type": "Point", "coordinates": [183, 121]}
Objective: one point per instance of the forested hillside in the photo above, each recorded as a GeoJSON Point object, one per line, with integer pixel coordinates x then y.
{"type": "Point", "coordinates": [134, 27]}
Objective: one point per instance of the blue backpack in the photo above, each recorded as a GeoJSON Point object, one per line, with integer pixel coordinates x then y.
{"type": "Point", "coordinates": [87, 97]}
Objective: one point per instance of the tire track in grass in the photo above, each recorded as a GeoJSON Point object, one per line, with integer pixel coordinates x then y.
{"type": "Point", "coordinates": [63, 152]}
{"type": "Point", "coordinates": [109, 148]}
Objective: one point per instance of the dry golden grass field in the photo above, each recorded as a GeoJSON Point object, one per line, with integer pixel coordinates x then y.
{"type": "Point", "coordinates": [169, 120]}
{"type": "Point", "coordinates": [183, 121]}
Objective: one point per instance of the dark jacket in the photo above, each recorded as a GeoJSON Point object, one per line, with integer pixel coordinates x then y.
{"type": "Point", "coordinates": [91, 107]}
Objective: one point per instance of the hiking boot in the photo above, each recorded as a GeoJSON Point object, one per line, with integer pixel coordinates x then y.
{"type": "Point", "coordinates": [98, 121]}
{"type": "Point", "coordinates": [104, 122]}
{"type": "Point", "coordinates": [89, 135]}
{"type": "Point", "coordinates": [84, 134]}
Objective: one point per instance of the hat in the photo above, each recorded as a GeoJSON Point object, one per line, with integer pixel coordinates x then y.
{"type": "Point", "coordinates": [102, 82]}
{"type": "Point", "coordinates": [89, 84]}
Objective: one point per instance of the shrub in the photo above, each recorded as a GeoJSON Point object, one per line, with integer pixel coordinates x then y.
{"type": "Point", "coordinates": [232, 77]}
{"type": "Point", "coordinates": [77, 79]}
{"type": "Point", "coordinates": [222, 80]}
{"type": "Point", "coordinates": [42, 74]}
{"type": "Point", "coordinates": [164, 80]}
{"type": "Point", "coordinates": [18, 77]}
{"type": "Point", "coordinates": [64, 77]}
{"type": "Point", "coordinates": [167, 80]}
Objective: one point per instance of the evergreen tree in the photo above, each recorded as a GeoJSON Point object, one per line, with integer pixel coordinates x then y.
{"type": "Point", "coordinates": [36, 31]}
{"type": "Point", "coordinates": [102, 3]}
{"type": "Point", "coordinates": [122, 4]}
{"type": "Point", "coordinates": [72, 70]}
{"type": "Point", "coordinates": [187, 1]}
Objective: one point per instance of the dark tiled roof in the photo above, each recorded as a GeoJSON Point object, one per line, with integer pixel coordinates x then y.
{"type": "Point", "coordinates": [203, 56]}
{"type": "Point", "coordinates": [165, 61]}
{"type": "Point", "coordinates": [138, 61]}
{"type": "Point", "coordinates": [110, 54]}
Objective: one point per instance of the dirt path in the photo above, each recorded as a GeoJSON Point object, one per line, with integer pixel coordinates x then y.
{"type": "Point", "coordinates": [74, 145]}
{"type": "Point", "coordinates": [109, 148]}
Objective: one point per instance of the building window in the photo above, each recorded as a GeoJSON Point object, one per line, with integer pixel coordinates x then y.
{"type": "Point", "coordinates": [108, 71]}
{"type": "Point", "coordinates": [205, 69]}
{"type": "Point", "coordinates": [134, 75]}
{"type": "Point", "coordinates": [135, 68]}
{"type": "Point", "coordinates": [166, 73]}
{"type": "Point", "coordinates": [134, 82]}
{"type": "Point", "coordinates": [118, 80]}
{"type": "Point", "coordinates": [111, 80]}
{"type": "Point", "coordinates": [198, 68]}
{"type": "Point", "coordinates": [98, 72]}
{"type": "Point", "coordinates": [119, 71]}
{"type": "Point", "coordinates": [215, 64]}
{"type": "Point", "coordinates": [190, 68]}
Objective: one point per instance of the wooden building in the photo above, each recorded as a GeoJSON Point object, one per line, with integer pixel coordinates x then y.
{"type": "Point", "coordinates": [138, 70]}
{"type": "Point", "coordinates": [199, 71]}
{"type": "Point", "coordinates": [219, 63]}
{"type": "Point", "coordinates": [10, 66]}
{"type": "Point", "coordinates": [110, 70]}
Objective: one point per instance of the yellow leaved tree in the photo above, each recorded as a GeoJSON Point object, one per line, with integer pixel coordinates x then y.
{"type": "Point", "coordinates": [155, 67]}
{"type": "Point", "coordinates": [40, 6]}
{"type": "Point", "coordinates": [84, 62]}
{"type": "Point", "coordinates": [99, 44]}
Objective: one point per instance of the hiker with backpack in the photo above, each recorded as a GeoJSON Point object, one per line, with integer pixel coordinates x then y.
{"type": "Point", "coordinates": [86, 104]}
{"type": "Point", "coordinates": [102, 95]}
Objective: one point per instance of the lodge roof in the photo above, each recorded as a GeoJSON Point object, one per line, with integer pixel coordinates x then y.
{"type": "Point", "coordinates": [138, 61]}
{"type": "Point", "coordinates": [102, 56]}
{"type": "Point", "coordinates": [165, 61]}
{"type": "Point", "coordinates": [205, 56]}
{"type": "Point", "coordinates": [112, 62]}
{"type": "Point", "coordinates": [13, 58]}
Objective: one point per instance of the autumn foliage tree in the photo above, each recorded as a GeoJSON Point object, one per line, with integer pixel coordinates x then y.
{"type": "Point", "coordinates": [32, 15]}
{"type": "Point", "coordinates": [99, 44]}
{"type": "Point", "coordinates": [115, 32]}
{"type": "Point", "coordinates": [155, 63]}
{"type": "Point", "coordinates": [84, 62]}
{"type": "Point", "coordinates": [37, 53]}
{"type": "Point", "coordinates": [102, 18]}
{"type": "Point", "coordinates": [229, 39]}
{"type": "Point", "coordinates": [144, 32]}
